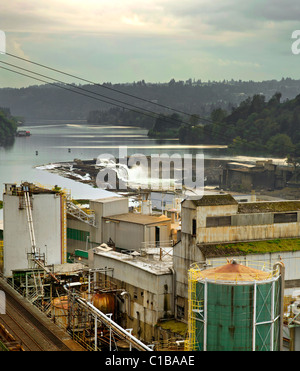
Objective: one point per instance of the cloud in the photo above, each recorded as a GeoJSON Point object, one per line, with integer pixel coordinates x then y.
{"type": "Point", "coordinates": [156, 40]}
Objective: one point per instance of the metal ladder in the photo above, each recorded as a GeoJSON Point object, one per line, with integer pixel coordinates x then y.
{"type": "Point", "coordinates": [32, 236]}
{"type": "Point", "coordinates": [30, 221]}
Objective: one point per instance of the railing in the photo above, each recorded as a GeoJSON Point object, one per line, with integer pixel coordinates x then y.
{"type": "Point", "coordinates": [79, 214]}
{"type": "Point", "coordinates": [158, 248]}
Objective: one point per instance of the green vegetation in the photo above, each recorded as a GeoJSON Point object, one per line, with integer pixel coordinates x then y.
{"type": "Point", "coordinates": [258, 247]}
{"type": "Point", "coordinates": [174, 326]}
{"type": "Point", "coordinates": [166, 126]}
{"type": "Point", "coordinates": [1, 204]}
{"type": "Point", "coordinates": [8, 127]}
{"type": "Point", "coordinates": [117, 116]}
{"type": "Point", "coordinates": [256, 126]}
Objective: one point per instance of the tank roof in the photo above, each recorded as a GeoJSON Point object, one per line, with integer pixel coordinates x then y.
{"type": "Point", "coordinates": [233, 271]}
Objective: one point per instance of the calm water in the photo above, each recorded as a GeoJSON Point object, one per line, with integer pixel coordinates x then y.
{"type": "Point", "coordinates": [65, 140]}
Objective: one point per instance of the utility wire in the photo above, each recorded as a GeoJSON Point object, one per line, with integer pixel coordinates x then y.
{"type": "Point", "coordinates": [103, 86]}
{"type": "Point", "coordinates": [140, 110]}
{"type": "Point", "coordinates": [116, 100]}
{"type": "Point", "coordinates": [155, 114]}
{"type": "Point", "coordinates": [73, 91]}
{"type": "Point", "coordinates": [85, 90]}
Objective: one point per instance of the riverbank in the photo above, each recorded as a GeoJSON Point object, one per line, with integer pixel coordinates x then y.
{"type": "Point", "coordinates": [86, 171]}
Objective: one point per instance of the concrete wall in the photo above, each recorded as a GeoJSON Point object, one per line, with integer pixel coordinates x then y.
{"type": "Point", "coordinates": [106, 207]}
{"type": "Point", "coordinates": [253, 226]}
{"type": "Point", "coordinates": [131, 236]}
{"type": "Point", "coordinates": [150, 294]}
{"type": "Point", "coordinates": [46, 214]}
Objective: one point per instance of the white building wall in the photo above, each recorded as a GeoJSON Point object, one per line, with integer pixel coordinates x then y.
{"type": "Point", "coordinates": [46, 215]}
{"type": "Point", "coordinates": [151, 283]}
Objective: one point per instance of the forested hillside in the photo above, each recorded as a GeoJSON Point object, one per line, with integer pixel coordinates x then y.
{"type": "Point", "coordinates": [8, 127]}
{"type": "Point", "coordinates": [65, 102]}
{"type": "Point", "coordinates": [256, 126]}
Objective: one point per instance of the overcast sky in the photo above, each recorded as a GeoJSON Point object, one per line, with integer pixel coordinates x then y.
{"type": "Point", "coordinates": [152, 40]}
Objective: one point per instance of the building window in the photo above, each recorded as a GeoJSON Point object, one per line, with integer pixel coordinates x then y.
{"type": "Point", "coordinates": [218, 221]}
{"type": "Point", "coordinates": [285, 218]}
{"type": "Point", "coordinates": [180, 311]}
{"type": "Point", "coordinates": [194, 231]}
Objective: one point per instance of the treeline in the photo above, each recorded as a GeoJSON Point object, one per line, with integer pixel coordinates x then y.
{"type": "Point", "coordinates": [190, 96]}
{"type": "Point", "coordinates": [8, 127]}
{"type": "Point", "coordinates": [118, 116]}
{"type": "Point", "coordinates": [256, 126]}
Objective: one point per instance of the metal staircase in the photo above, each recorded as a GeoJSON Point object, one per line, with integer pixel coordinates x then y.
{"type": "Point", "coordinates": [79, 214]}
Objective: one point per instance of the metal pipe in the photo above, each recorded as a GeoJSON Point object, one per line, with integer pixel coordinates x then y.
{"type": "Point", "coordinates": [174, 291]}
{"type": "Point", "coordinates": [254, 316]}
{"type": "Point", "coordinates": [282, 278]}
{"type": "Point", "coordinates": [117, 328]}
{"type": "Point", "coordinates": [96, 333]}
{"type": "Point", "coordinates": [110, 323]}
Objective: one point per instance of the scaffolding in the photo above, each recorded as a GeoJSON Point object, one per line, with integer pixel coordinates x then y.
{"type": "Point", "coordinates": [63, 200]}
{"type": "Point", "coordinates": [1, 255]}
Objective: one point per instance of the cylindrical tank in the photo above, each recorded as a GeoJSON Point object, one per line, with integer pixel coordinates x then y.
{"type": "Point", "coordinates": [105, 302]}
{"type": "Point", "coordinates": [60, 309]}
{"type": "Point", "coordinates": [234, 307]}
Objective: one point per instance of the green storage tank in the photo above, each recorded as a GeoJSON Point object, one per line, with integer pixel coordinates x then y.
{"type": "Point", "coordinates": [235, 307]}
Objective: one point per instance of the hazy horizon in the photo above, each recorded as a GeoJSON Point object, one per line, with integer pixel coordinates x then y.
{"type": "Point", "coordinates": [122, 41]}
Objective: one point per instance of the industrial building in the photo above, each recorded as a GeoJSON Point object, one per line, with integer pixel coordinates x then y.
{"type": "Point", "coordinates": [215, 227]}
{"type": "Point", "coordinates": [114, 224]}
{"type": "Point", "coordinates": [28, 206]}
{"type": "Point", "coordinates": [134, 268]}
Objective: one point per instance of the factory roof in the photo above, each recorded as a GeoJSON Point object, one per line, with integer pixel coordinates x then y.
{"type": "Point", "coordinates": [15, 190]}
{"type": "Point", "coordinates": [138, 218]}
{"type": "Point", "coordinates": [213, 200]}
{"type": "Point", "coordinates": [269, 206]}
{"type": "Point", "coordinates": [108, 199]}
{"type": "Point", "coordinates": [155, 266]}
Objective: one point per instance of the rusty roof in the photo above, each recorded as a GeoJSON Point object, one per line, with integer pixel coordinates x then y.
{"type": "Point", "coordinates": [213, 200]}
{"type": "Point", "coordinates": [233, 271]}
{"type": "Point", "coordinates": [268, 206]}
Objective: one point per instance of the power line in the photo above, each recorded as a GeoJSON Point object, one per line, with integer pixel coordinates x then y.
{"type": "Point", "coordinates": [79, 88]}
{"type": "Point", "coordinates": [113, 99]}
{"type": "Point", "coordinates": [63, 87]}
{"type": "Point", "coordinates": [103, 86]}
{"type": "Point", "coordinates": [140, 110]}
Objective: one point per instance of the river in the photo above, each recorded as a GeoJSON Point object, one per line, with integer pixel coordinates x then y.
{"type": "Point", "coordinates": [62, 141]}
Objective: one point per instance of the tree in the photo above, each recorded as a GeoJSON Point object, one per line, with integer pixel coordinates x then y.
{"type": "Point", "coordinates": [280, 145]}
{"type": "Point", "coordinates": [8, 127]}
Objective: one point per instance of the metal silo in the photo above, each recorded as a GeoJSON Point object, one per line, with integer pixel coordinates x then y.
{"type": "Point", "coordinates": [235, 307]}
